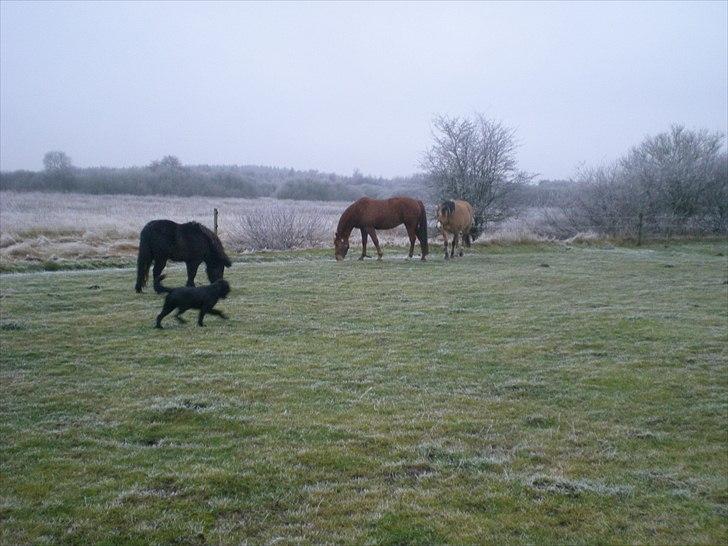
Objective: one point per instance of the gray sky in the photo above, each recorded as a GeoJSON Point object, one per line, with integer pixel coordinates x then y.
{"type": "Point", "coordinates": [335, 87]}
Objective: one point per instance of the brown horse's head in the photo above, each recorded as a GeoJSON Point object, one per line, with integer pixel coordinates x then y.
{"type": "Point", "coordinates": [341, 247]}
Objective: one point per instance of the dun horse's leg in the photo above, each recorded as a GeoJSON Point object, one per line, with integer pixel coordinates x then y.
{"type": "Point", "coordinates": [462, 236]}
{"type": "Point", "coordinates": [363, 244]}
{"type": "Point", "coordinates": [157, 272]}
{"type": "Point", "coordinates": [454, 244]}
{"type": "Point", "coordinates": [191, 272]}
{"type": "Point", "coordinates": [375, 240]}
{"type": "Point", "coordinates": [444, 236]}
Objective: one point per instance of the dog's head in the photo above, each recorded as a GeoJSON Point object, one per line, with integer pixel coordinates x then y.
{"type": "Point", "coordinates": [223, 288]}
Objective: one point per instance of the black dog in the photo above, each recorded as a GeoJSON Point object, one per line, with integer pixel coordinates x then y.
{"type": "Point", "coordinates": [203, 298]}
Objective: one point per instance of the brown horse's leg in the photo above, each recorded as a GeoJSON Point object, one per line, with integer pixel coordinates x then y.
{"type": "Point", "coordinates": [375, 240]}
{"type": "Point", "coordinates": [462, 238]}
{"type": "Point", "coordinates": [412, 233]}
{"type": "Point", "coordinates": [363, 244]}
{"type": "Point", "coordinates": [454, 244]}
{"type": "Point", "coordinates": [444, 236]}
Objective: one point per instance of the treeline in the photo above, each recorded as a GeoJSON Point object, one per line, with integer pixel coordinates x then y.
{"type": "Point", "coordinates": [170, 177]}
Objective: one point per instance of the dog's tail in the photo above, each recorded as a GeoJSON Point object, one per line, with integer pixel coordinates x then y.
{"type": "Point", "coordinates": [422, 230]}
{"type": "Point", "coordinates": [158, 288]}
{"type": "Point", "coordinates": [144, 260]}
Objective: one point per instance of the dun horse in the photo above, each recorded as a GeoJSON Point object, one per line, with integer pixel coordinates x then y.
{"type": "Point", "coordinates": [192, 243]}
{"type": "Point", "coordinates": [368, 215]}
{"type": "Point", "coordinates": [455, 217]}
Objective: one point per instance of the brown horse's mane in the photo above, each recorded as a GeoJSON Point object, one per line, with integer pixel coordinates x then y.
{"type": "Point", "coordinates": [344, 226]}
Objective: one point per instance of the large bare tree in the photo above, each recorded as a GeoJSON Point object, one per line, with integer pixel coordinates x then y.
{"type": "Point", "coordinates": [59, 170]}
{"type": "Point", "coordinates": [474, 159]}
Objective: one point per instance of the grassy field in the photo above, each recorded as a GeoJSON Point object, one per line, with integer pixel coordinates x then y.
{"type": "Point", "coordinates": [539, 394]}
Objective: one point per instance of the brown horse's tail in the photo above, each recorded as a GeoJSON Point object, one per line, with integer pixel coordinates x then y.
{"type": "Point", "coordinates": [144, 260]}
{"type": "Point", "coordinates": [422, 230]}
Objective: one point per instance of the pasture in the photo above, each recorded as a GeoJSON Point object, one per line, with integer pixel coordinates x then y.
{"type": "Point", "coordinates": [538, 394]}
{"type": "Point", "coordinates": [51, 231]}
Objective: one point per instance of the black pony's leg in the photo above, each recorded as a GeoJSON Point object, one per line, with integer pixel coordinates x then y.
{"type": "Point", "coordinates": [217, 313]}
{"type": "Point", "coordinates": [363, 244]}
{"type": "Point", "coordinates": [191, 272]}
{"type": "Point", "coordinates": [375, 240]}
{"type": "Point", "coordinates": [200, 317]}
{"type": "Point", "coordinates": [159, 265]}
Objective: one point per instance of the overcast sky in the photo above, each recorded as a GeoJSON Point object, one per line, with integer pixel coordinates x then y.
{"type": "Point", "coordinates": [344, 86]}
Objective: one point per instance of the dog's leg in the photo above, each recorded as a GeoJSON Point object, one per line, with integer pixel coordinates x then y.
{"type": "Point", "coordinates": [178, 315]}
{"type": "Point", "coordinates": [166, 310]}
{"type": "Point", "coordinates": [218, 313]}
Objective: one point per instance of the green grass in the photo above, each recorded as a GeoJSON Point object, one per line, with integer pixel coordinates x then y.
{"type": "Point", "coordinates": [487, 400]}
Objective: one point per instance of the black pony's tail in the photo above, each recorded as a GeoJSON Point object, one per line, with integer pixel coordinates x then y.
{"type": "Point", "coordinates": [144, 261]}
{"type": "Point", "coordinates": [422, 230]}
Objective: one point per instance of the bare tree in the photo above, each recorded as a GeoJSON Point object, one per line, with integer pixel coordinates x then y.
{"type": "Point", "coordinates": [59, 170]}
{"type": "Point", "coordinates": [56, 161]}
{"type": "Point", "coordinates": [474, 159]}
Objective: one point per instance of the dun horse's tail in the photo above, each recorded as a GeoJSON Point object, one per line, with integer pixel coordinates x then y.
{"type": "Point", "coordinates": [422, 230]}
{"type": "Point", "coordinates": [144, 261]}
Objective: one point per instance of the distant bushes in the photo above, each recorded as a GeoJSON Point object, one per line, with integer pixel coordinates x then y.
{"type": "Point", "coordinates": [674, 183]}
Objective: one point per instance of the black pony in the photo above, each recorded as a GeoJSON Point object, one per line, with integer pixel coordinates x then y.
{"type": "Point", "coordinates": [192, 243]}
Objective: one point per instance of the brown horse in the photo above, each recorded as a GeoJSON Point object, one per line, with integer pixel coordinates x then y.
{"type": "Point", "coordinates": [455, 217]}
{"type": "Point", "coordinates": [368, 214]}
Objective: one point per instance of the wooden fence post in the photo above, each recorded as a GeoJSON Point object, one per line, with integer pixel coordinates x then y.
{"type": "Point", "coordinates": [215, 220]}
{"type": "Point", "coordinates": [639, 230]}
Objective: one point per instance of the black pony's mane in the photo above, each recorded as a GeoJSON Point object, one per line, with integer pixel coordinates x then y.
{"type": "Point", "coordinates": [214, 240]}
